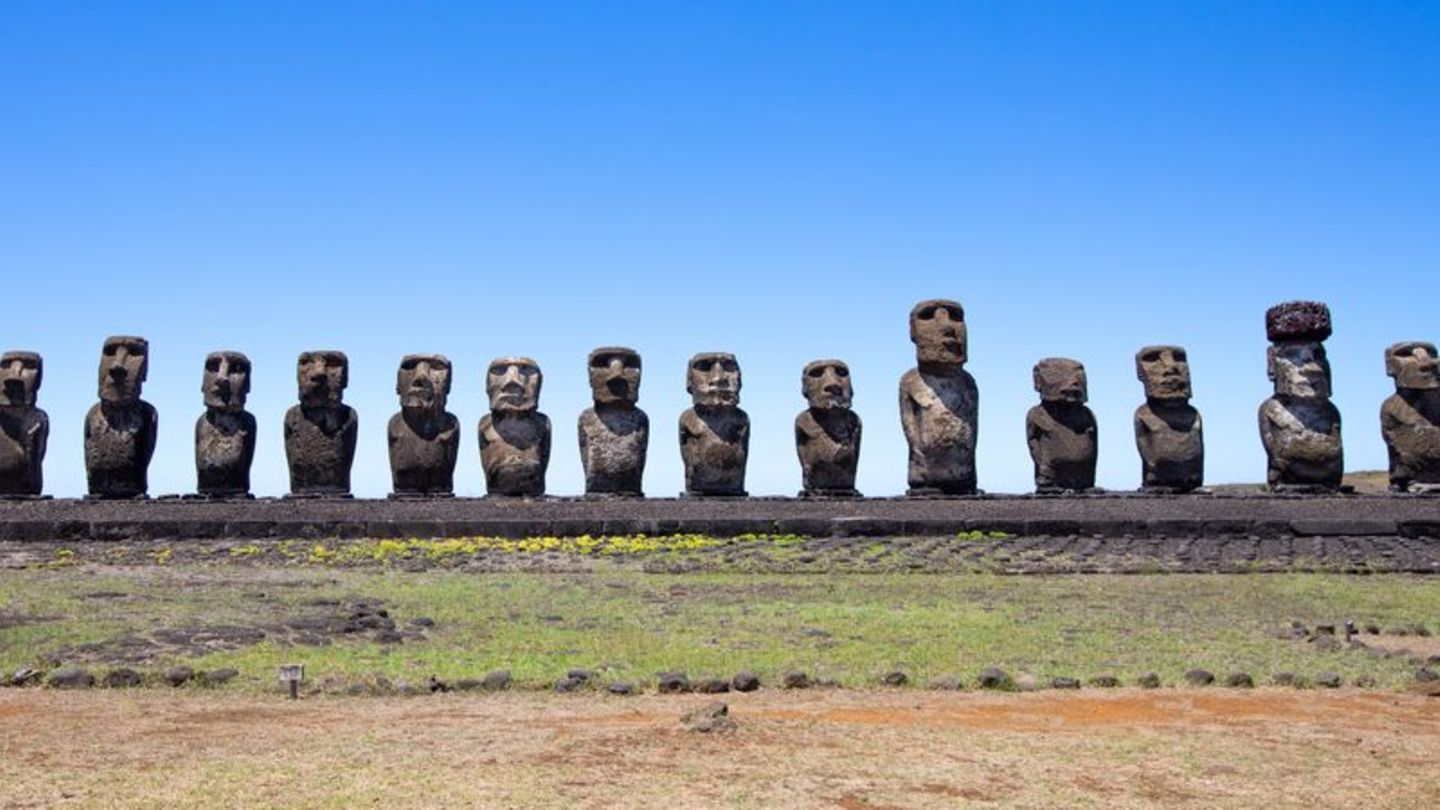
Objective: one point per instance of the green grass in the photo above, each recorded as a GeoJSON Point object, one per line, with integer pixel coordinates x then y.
{"type": "Point", "coordinates": [627, 625]}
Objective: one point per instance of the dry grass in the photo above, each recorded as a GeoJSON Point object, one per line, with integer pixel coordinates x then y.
{"type": "Point", "coordinates": [849, 749]}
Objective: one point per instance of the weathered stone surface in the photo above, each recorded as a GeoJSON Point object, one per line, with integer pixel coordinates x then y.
{"type": "Point", "coordinates": [827, 434]}
{"type": "Point", "coordinates": [673, 683]}
{"type": "Point", "coordinates": [424, 438]}
{"type": "Point", "coordinates": [122, 678]}
{"type": "Point", "coordinates": [745, 682]}
{"type": "Point", "coordinates": [219, 677]}
{"type": "Point", "coordinates": [1299, 426]}
{"type": "Point", "coordinates": [794, 679]}
{"type": "Point", "coordinates": [712, 686]}
{"type": "Point", "coordinates": [514, 436]}
{"type": "Point", "coordinates": [715, 433]}
{"type": "Point", "coordinates": [1061, 431]}
{"type": "Point", "coordinates": [225, 433]}
{"type": "Point", "coordinates": [1199, 677]}
{"type": "Point", "coordinates": [1410, 418]}
{"type": "Point", "coordinates": [179, 675]}
{"type": "Point", "coordinates": [71, 678]}
{"type": "Point", "coordinates": [120, 429]}
{"type": "Point", "coordinates": [1329, 680]}
{"type": "Point", "coordinates": [496, 681]}
{"type": "Point", "coordinates": [895, 678]}
{"type": "Point", "coordinates": [1064, 682]}
{"type": "Point", "coordinates": [995, 678]}
{"type": "Point", "coordinates": [622, 688]}
{"type": "Point", "coordinates": [614, 433]}
{"type": "Point", "coordinates": [1239, 680]}
{"type": "Point", "coordinates": [24, 428]}
{"type": "Point", "coordinates": [320, 431]}
{"type": "Point", "coordinates": [1167, 428]}
{"type": "Point", "coordinates": [1148, 680]}
{"type": "Point", "coordinates": [939, 402]}
{"type": "Point", "coordinates": [711, 718]}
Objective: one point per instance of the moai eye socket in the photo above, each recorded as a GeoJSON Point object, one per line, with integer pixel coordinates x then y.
{"type": "Point", "coordinates": [1405, 351]}
{"type": "Point", "coordinates": [730, 365]}
{"type": "Point", "coordinates": [409, 363]}
{"type": "Point", "coordinates": [1180, 356]}
{"type": "Point", "coordinates": [926, 313]}
{"type": "Point", "coordinates": [1150, 357]}
{"type": "Point", "coordinates": [632, 361]}
{"type": "Point", "coordinates": [841, 371]}
{"type": "Point", "coordinates": [704, 364]}
{"type": "Point", "coordinates": [111, 349]}
{"type": "Point", "coordinates": [239, 367]}
{"type": "Point", "coordinates": [600, 361]}
{"type": "Point", "coordinates": [212, 365]}
{"type": "Point", "coordinates": [817, 372]}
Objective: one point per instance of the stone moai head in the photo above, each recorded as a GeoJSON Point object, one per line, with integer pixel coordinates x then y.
{"type": "Point", "coordinates": [826, 385]}
{"type": "Point", "coordinates": [226, 382]}
{"type": "Point", "coordinates": [124, 361]}
{"type": "Point", "coordinates": [20, 375]}
{"type": "Point", "coordinates": [423, 382]}
{"type": "Point", "coordinates": [937, 328]}
{"type": "Point", "coordinates": [513, 385]}
{"type": "Point", "coordinates": [713, 379]}
{"type": "Point", "coordinates": [614, 375]}
{"type": "Point", "coordinates": [1165, 371]}
{"type": "Point", "coordinates": [1296, 360]}
{"type": "Point", "coordinates": [322, 376]}
{"type": "Point", "coordinates": [1060, 379]}
{"type": "Point", "coordinates": [1413, 365]}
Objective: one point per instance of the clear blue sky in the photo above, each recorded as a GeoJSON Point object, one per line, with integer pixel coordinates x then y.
{"type": "Point", "coordinates": [782, 180]}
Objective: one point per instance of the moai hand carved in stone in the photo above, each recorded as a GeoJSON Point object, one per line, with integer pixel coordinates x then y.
{"type": "Point", "coordinates": [514, 436]}
{"type": "Point", "coordinates": [715, 433]}
{"type": "Point", "coordinates": [424, 438]}
{"type": "Point", "coordinates": [225, 433]}
{"type": "Point", "coordinates": [939, 403]}
{"type": "Point", "coordinates": [320, 431]}
{"type": "Point", "coordinates": [1167, 428]}
{"type": "Point", "coordinates": [1061, 431]}
{"type": "Point", "coordinates": [120, 429]}
{"type": "Point", "coordinates": [1410, 418]}
{"type": "Point", "coordinates": [24, 428]}
{"type": "Point", "coordinates": [1299, 426]}
{"type": "Point", "coordinates": [614, 434]}
{"type": "Point", "coordinates": [827, 434]}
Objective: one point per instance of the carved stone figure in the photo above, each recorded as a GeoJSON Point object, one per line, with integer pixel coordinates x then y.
{"type": "Point", "coordinates": [225, 433]}
{"type": "Point", "coordinates": [120, 429]}
{"type": "Point", "coordinates": [614, 434]}
{"type": "Point", "coordinates": [1410, 418]}
{"type": "Point", "coordinates": [514, 436]}
{"type": "Point", "coordinates": [24, 428]}
{"type": "Point", "coordinates": [424, 438]}
{"type": "Point", "coordinates": [1167, 428]}
{"type": "Point", "coordinates": [827, 434]}
{"type": "Point", "coordinates": [1299, 426]}
{"type": "Point", "coordinates": [320, 431]}
{"type": "Point", "coordinates": [1061, 431]}
{"type": "Point", "coordinates": [715, 433]}
{"type": "Point", "coordinates": [939, 403]}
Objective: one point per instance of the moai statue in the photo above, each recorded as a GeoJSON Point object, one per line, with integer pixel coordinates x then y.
{"type": "Point", "coordinates": [614, 434]}
{"type": "Point", "coordinates": [1167, 428]}
{"type": "Point", "coordinates": [120, 429]}
{"type": "Point", "coordinates": [1299, 425]}
{"type": "Point", "coordinates": [1060, 430]}
{"type": "Point", "coordinates": [1410, 418]}
{"type": "Point", "coordinates": [225, 433]}
{"type": "Point", "coordinates": [939, 404]}
{"type": "Point", "coordinates": [424, 438]}
{"type": "Point", "coordinates": [827, 434]}
{"type": "Point", "coordinates": [24, 428]}
{"type": "Point", "coordinates": [715, 433]}
{"type": "Point", "coordinates": [320, 431]}
{"type": "Point", "coordinates": [514, 436]}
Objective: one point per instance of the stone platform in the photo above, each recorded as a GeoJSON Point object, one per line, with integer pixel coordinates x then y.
{"type": "Point", "coordinates": [1109, 515]}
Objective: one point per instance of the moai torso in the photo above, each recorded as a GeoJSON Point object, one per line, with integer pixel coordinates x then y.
{"type": "Point", "coordinates": [614, 434]}
{"type": "Point", "coordinates": [1299, 426]}
{"type": "Point", "coordinates": [939, 403]}
{"type": "Point", "coordinates": [514, 436]}
{"type": "Point", "coordinates": [320, 432]}
{"type": "Point", "coordinates": [1061, 431]}
{"type": "Point", "coordinates": [1410, 418]}
{"type": "Point", "coordinates": [715, 433]}
{"type": "Point", "coordinates": [1167, 429]}
{"type": "Point", "coordinates": [24, 428]}
{"type": "Point", "coordinates": [827, 434]}
{"type": "Point", "coordinates": [225, 433]}
{"type": "Point", "coordinates": [120, 429]}
{"type": "Point", "coordinates": [424, 438]}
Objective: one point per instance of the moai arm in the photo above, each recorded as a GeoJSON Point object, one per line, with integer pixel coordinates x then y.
{"type": "Point", "coordinates": [146, 446]}
{"type": "Point", "coordinates": [1268, 435]}
{"type": "Point", "coordinates": [1033, 434]}
{"type": "Point", "coordinates": [744, 436]}
{"type": "Point", "coordinates": [909, 413]}
{"type": "Point", "coordinates": [40, 433]}
{"type": "Point", "coordinates": [584, 438]}
{"type": "Point", "coordinates": [544, 440]}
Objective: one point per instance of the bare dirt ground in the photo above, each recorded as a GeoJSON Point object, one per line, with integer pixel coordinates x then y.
{"type": "Point", "coordinates": [842, 749]}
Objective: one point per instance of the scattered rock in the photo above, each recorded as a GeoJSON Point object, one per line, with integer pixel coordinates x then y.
{"type": "Point", "coordinates": [1199, 677]}
{"type": "Point", "coordinates": [467, 685]}
{"type": "Point", "coordinates": [434, 684]}
{"type": "Point", "coordinates": [1064, 682]}
{"type": "Point", "coordinates": [1239, 680]}
{"type": "Point", "coordinates": [389, 637]}
{"type": "Point", "coordinates": [1324, 629]}
{"type": "Point", "coordinates": [794, 679]}
{"type": "Point", "coordinates": [496, 681]}
{"type": "Point", "coordinates": [995, 678]}
{"type": "Point", "coordinates": [179, 676]}
{"type": "Point", "coordinates": [217, 677]}
{"type": "Point", "coordinates": [1284, 679]}
{"type": "Point", "coordinates": [1365, 682]}
{"type": "Point", "coordinates": [712, 686]}
{"type": "Point", "coordinates": [825, 683]}
{"type": "Point", "coordinates": [1025, 682]}
{"type": "Point", "coordinates": [25, 676]}
{"type": "Point", "coordinates": [896, 678]}
{"type": "Point", "coordinates": [947, 683]}
{"type": "Point", "coordinates": [673, 683]}
{"type": "Point", "coordinates": [421, 621]}
{"type": "Point", "coordinates": [1148, 680]}
{"type": "Point", "coordinates": [1431, 689]}
{"type": "Point", "coordinates": [1326, 643]}
{"type": "Point", "coordinates": [1426, 675]}
{"type": "Point", "coordinates": [406, 688]}
{"type": "Point", "coordinates": [123, 678]}
{"type": "Point", "coordinates": [1328, 680]}
{"type": "Point", "coordinates": [713, 717]}
{"type": "Point", "coordinates": [581, 674]}
{"type": "Point", "coordinates": [71, 678]}
{"type": "Point", "coordinates": [568, 684]}
{"type": "Point", "coordinates": [621, 688]}
{"type": "Point", "coordinates": [1105, 681]}
{"type": "Point", "coordinates": [745, 682]}
{"type": "Point", "coordinates": [1372, 629]}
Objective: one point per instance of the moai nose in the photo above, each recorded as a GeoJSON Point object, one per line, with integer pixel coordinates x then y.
{"type": "Point", "coordinates": [118, 373]}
